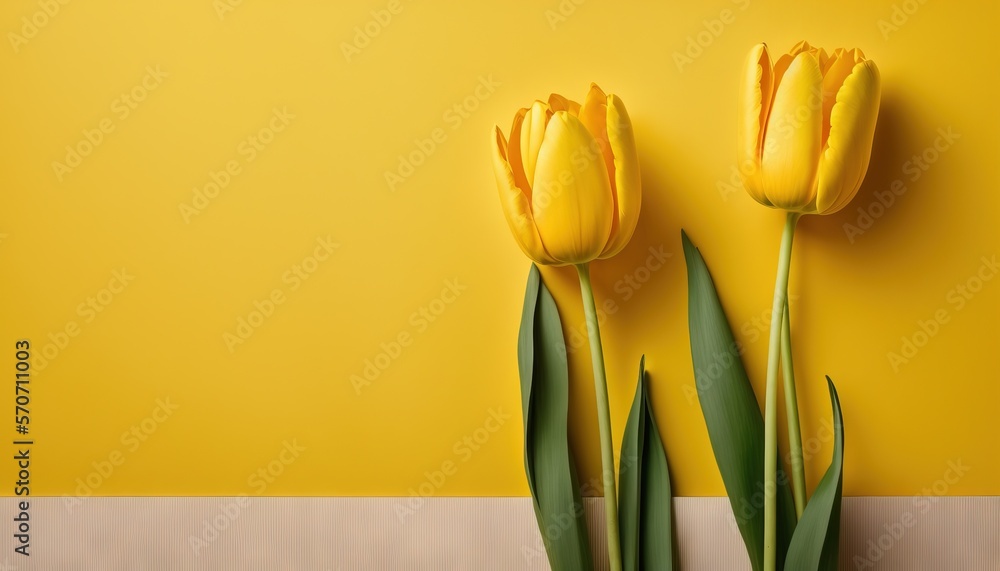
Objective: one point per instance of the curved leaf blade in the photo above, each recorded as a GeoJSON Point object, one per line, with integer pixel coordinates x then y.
{"type": "Point", "coordinates": [645, 502]}
{"type": "Point", "coordinates": [732, 414]}
{"type": "Point", "coordinates": [548, 461]}
{"type": "Point", "coordinates": [816, 542]}
{"type": "Point", "coordinates": [630, 478]}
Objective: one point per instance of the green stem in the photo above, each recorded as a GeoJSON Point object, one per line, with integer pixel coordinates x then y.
{"type": "Point", "coordinates": [792, 415]}
{"type": "Point", "coordinates": [771, 398]}
{"type": "Point", "coordinates": [603, 418]}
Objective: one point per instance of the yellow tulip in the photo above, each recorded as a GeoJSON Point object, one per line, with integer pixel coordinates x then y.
{"type": "Point", "coordinates": [569, 178]}
{"type": "Point", "coordinates": [806, 126]}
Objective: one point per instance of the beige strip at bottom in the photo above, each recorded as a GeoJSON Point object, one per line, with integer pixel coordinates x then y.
{"type": "Point", "coordinates": [473, 533]}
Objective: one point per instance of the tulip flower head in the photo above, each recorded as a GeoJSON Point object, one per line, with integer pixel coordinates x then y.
{"type": "Point", "coordinates": [569, 178]}
{"type": "Point", "coordinates": [806, 125]}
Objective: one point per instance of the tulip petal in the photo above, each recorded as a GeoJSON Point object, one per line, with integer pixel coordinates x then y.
{"type": "Point", "coordinates": [844, 162]}
{"type": "Point", "coordinates": [824, 58]}
{"type": "Point", "coordinates": [794, 128]}
{"type": "Point", "coordinates": [754, 102]}
{"type": "Point", "coordinates": [513, 153]}
{"type": "Point", "coordinates": [802, 46]}
{"type": "Point", "coordinates": [532, 133]}
{"type": "Point", "coordinates": [559, 103]}
{"type": "Point", "coordinates": [516, 208]}
{"type": "Point", "coordinates": [594, 115]}
{"type": "Point", "coordinates": [625, 180]}
{"type": "Point", "coordinates": [571, 200]}
{"type": "Point", "coordinates": [836, 56]}
{"type": "Point", "coordinates": [786, 60]}
{"type": "Point", "coordinates": [837, 71]}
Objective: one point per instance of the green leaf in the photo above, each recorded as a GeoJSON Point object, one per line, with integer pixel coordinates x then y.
{"type": "Point", "coordinates": [816, 541]}
{"type": "Point", "coordinates": [548, 462]}
{"type": "Point", "coordinates": [645, 517]}
{"type": "Point", "coordinates": [732, 415]}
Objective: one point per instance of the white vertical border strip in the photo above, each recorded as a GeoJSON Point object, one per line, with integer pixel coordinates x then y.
{"type": "Point", "coordinates": [477, 533]}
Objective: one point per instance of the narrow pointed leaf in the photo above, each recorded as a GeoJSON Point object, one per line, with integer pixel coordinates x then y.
{"type": "Point", "coordinates": [630, 478]}
{"type": "Point", "coordinates": [732, 414]}
{"type": "Point", "coordinates": [548, 462]}
{"type": "Point", "coordinates": [645, 514]}
{"type": "Point", "coordinates": [816, 542]}
{"type": "Point", "coordinates": [658, 542]}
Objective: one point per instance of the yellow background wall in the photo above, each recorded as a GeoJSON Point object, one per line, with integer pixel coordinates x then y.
{"type": "Point", "coordinates": [299, 117]}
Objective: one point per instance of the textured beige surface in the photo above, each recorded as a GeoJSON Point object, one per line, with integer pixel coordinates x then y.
{"type": "Point", "coordinates": [342, 534]}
